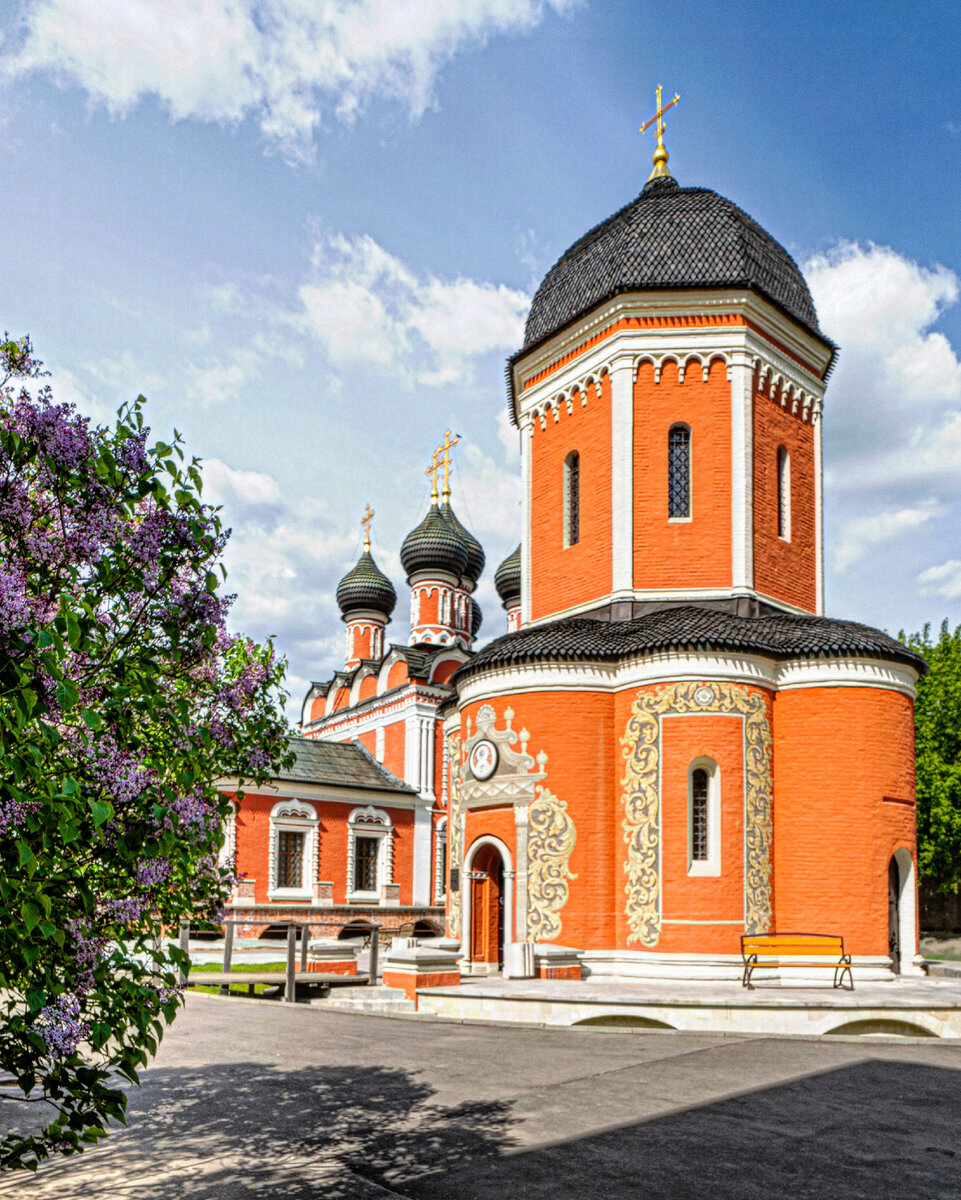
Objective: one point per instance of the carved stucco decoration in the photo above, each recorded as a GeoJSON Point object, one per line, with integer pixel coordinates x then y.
{"type": "Point", "coordinates": [455, 828]}
{"type": "Point", "coordinates": [545, 831]}
{"type": "Point", "coordinates": [550, 842]}
{"type": "Point", "coordinates": [641, 800]}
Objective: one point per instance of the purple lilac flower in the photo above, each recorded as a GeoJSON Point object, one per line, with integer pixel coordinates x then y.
{"type": "Point", "coordinates": [13, 812]}
{"type": "Point", "coordinates": [153, 871]}
{"type": "Point", "coordinates": [61, 1029]}
{"type": "Point", "coordinates": [88, 953]}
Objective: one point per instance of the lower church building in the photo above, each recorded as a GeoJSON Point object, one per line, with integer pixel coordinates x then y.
{"type": "Point", "coordinates": [672, 745]}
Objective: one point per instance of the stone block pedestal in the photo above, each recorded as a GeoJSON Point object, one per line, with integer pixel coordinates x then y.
{"type": "Point", "coordinates": [557, 962]}
{"type": "Point", "coordinates": [413, 967]}
{"type": "Point", "coordinates": [332, 957]}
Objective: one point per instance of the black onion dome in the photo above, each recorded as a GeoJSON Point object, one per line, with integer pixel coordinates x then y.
{"type": "Point", "coordinates": [476, 617]}
{"type": "Point", "coordinates": [476, 558]}
{"type": "Point", "coordinates": [366, 586]}
{"type": "Point", "coordinates": [669, 237]}
{"type": "Point", "coordinates": [435, 545]}
{"type": "Point", "coordinates": [507, 579]}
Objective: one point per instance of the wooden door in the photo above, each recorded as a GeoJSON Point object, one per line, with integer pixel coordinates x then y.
{"type": "Point", "coordinates": [487, 906]}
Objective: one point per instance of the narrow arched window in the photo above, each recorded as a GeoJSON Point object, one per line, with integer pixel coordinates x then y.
{"type": "Point", "coordinates": [783, 494]}
{"type": "Point", "coordinates": [704, 818]}
{"type": "Point", "coordinates": [572, 499]}
{"type": "Point", "coordinates": [679, 473]}
{"type": "Point", "coordinates": [699, 815]}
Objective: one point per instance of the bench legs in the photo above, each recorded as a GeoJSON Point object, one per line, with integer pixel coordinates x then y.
{"type": "Point", "coordinates": [844, 966]}
{"type": "Point", "coordinates": [749, 965]}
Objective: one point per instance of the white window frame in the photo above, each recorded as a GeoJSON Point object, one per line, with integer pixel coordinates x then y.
{"type": "Point", "coordinates": [227, 855]}
{"type": "Point", "coordinates": [690, 474]}
{"type": "Point", "coordinates": [784, 493]}
{"type": "Point", "coordinates": [440, 860]}
{"type": "Point", "coordinates": [294, 816]}
{"type": "Point", "coordinates": [568, 507]}
{"type": "Point", "coordinates": [710, 866]}
{"type": "Point", "coordinates": [370, 822]}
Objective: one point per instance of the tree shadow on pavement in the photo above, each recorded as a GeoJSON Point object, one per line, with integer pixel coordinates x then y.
{"type": "Point", "coordinates": [246, 1130]}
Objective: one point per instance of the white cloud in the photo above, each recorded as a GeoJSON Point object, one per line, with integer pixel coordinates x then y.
{"type": "Point", "coordinates": [861, 534]}
{"type": "Point", "coordinates": [291, 64]}
{"type": "Point", "coordinates": [944, 581]}
{"type": "Point", "coordinates": [226, 485]}
{"type": "Point", "coordinates": [365, 306]}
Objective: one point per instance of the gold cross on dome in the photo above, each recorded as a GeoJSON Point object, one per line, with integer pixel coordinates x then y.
{"type": "Point", "coordinates": [446, 449]}
{"type": "Point", "coordinates": [660, 153]}
{"type": "Point", "coordinates": [365, 521]}
{"type": "Point", "coordinates": [431, 474]}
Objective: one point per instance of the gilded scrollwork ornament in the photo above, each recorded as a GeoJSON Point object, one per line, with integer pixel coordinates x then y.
{"type": "Point", "coordinates": [641, 800]}
{"type": "Point", "coordinates": [551, 839]}
{"type": "Point", "coordinates": [455, 828]}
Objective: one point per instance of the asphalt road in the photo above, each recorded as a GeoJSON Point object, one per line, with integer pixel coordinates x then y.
{"type": "Point", "coordinates": [256, 1100]}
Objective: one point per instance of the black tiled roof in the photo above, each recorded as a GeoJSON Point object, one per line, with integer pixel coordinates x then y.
{"type": "Point", "coordinates": [340, 764]}
{"type": "Point", "coordinates": [475, 551]}
{"type": "Point", "coordinates": [434, 545]}
{"type": "Point", "coordinates": [669, 237]}
{"type": "Point", "coordinates": [689, 627]}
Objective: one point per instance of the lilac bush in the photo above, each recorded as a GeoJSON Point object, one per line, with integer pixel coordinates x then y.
{"type": "Point", "coordinates": [123, 698]}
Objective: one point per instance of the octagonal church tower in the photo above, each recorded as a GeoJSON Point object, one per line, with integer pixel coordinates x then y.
{"type": "Point", "coordinates": [675, 746]}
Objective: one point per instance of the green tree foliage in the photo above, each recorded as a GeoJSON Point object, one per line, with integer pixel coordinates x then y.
{"type": "Point", "coordinates": [938, 757]}
{"type": "Point", "coordinates": [123, 699]}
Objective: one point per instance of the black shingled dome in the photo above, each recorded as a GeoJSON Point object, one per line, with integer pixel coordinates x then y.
{"type": "Point", "coordinates": [366, 586]}
{"type": "Point", "coordinates": [688, 627]}
{"type": "Point", "coordinates": [475, 551]}
{"type": "Point", "coordinates": [435, 545]}
{"type": "Point", "coordinates": [507, 579]}
{"type": "Point", "coordinates": [669, 237]}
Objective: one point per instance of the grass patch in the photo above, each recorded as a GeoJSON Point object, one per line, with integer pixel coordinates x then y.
{"type": "Point", "coordinates": [238, 969]}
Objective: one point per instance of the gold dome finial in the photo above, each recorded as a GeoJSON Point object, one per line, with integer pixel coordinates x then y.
{"type": "Point", "coordinates": [445, 449]}
{"type": "Point", "coordinates": [365, 521]}
{"type": "Point", "coordinates": [431, 474]}
{"type": "Point", "coordinates": [660, 151]}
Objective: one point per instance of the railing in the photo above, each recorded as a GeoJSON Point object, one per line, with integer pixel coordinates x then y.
{"type": "Point", "coordinates": [290, 970]}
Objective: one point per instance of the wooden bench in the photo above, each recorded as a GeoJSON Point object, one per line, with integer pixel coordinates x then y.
{"type": "Point", "coordinates": [787, 950]}
{"type": "Point", "coordinates": [278, 979]}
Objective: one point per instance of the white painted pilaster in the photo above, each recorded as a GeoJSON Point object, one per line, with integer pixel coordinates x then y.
{"type": "Point", "coordinates": [412, 752]}
{"type": "Point", "coordinates": [742, 471]}
{"type": "Point", "coordinates": [422, 857]}
{"type": "Point", "coordinates": [520, 879]}
{"type": "Point", "coordinates": [622, 473]}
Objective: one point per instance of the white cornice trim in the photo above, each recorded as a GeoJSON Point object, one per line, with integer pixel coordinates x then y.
{"type": "Point", "coordinates": [282, 788]}
{"type": "Point", "coordinates": [669, 666]}
{"type": "Point", "coordinates": [652, 595]}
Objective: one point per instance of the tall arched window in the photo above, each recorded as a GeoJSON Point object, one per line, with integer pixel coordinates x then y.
{"type": "Point", "coordinates": [572, 499]}
{"type": "Point", "coordinates": [703, 818]}
{"type": "Point", "coordinates": [783, 494]}
{"type": "Point", "coordinates": [679, 473]}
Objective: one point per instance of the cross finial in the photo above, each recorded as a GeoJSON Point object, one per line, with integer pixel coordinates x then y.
{"type": "Point", "coordinates": [365, 521]}
{"type": "Point", "coordinates": [446, 448]}
{"type": "Point", "coordinates": [431, 474]}
{"type": "Point", "coordinates": [660, 152]}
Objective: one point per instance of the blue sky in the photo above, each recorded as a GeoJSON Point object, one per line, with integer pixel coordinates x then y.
{"type": "Point", "coordinates": [309, 234]}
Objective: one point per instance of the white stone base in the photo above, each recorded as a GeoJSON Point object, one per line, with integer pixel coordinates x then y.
{"type": "Point", "coordinates": [643, 964]}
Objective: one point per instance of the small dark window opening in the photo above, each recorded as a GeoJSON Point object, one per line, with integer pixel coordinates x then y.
{"type": "Point", "coordinates": [365, 864]}
{"type": "Point", "coordinates": [699, 785]}
{"type": "Point", "coordinates": [572, 499]}
{"type": "Point", "coordinates": [679, 472]}
{"type": "Point", "coordinates": [290, 859]}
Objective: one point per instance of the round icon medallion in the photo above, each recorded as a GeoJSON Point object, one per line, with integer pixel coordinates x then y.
{"type": "Point", "coordinates": [704, 695]}
{"type": "Point", "coordinates": [483, 760]}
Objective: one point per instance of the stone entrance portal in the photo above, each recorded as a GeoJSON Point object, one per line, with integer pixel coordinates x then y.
{"type": "Point", "coordinates": [486, 876]}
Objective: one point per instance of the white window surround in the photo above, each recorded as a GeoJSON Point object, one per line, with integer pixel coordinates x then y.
{"type": "Point", "coordinates": [571, 502]}
{"type": "Point", "coordinates": [227, 855]}
{"type": "Point", "coordinates": [710, 866]}
{"type": "Point", "coordinates": [376, 823]}
{"type": "Point", "coordinates": [294, 816]}
{"type": "Point", "coordinates": [690, 475]}
{"type": "Point", "coordinates": [440, 860]}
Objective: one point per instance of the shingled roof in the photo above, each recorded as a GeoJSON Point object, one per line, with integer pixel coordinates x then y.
{"type": "Point", "coordinates": [340, 764]}
{"type": "Point", "coordinates": [669, 237]}
{"type": "Point", "coordinates": [689, 627]}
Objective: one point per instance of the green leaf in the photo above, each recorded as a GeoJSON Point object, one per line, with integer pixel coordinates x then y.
{"type": "Point", "coordinates": [31, 915]}
{"type": "Point", "coordinates": [101, 811]}
{"type": "Point", "coordinates": [91, 719]}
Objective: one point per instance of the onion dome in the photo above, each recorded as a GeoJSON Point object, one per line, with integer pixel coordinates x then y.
{"type": "Point", "coordinates": [507, 579]}
{"type": "Point", "coordinates": [366, 587]}
{"type": "Point", "coordinates": [435, 545]}
{"type": "Point", "coordinates": [669, 238]}
{"type": "Point", "coordinates": [476, 617]}
{"type": "Point", "coordinates": [475, 551]}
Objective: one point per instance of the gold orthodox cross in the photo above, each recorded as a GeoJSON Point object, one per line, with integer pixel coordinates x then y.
{"type": "Point", "coordinates": [431, 474]}
{"type": "Point", "coordinates": [365, 521]}
{"type": "Point", "coordinates": [660, 153]}
{"type": "Point", "coordinates": [446, 448]}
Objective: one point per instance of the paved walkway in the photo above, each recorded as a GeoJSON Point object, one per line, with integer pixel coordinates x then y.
{"type": "Point", "coordinates": [252, 1100]}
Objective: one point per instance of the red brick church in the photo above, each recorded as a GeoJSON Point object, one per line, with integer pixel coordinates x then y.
{"type": "Point", "coordinates": [672, 745]}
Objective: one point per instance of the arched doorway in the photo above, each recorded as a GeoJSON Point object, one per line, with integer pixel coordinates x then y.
{"type": "Point", "coordinates": [902, 932]}
{"type": "Point", "coordinates": [486, 877]}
